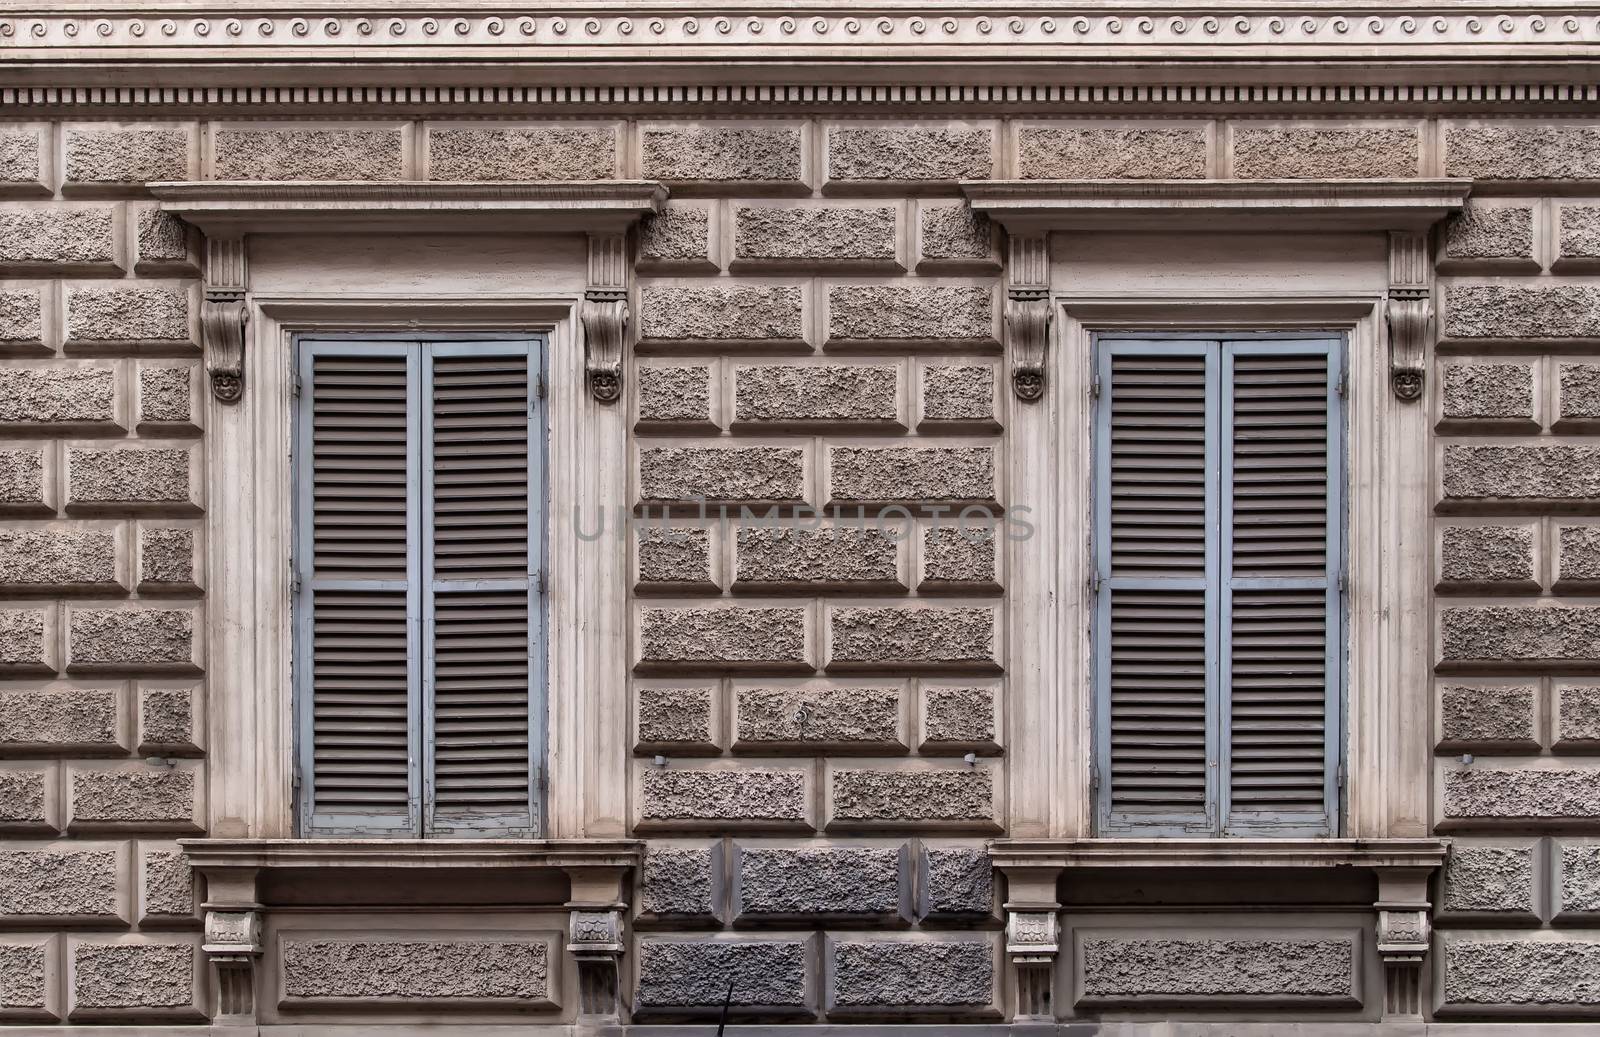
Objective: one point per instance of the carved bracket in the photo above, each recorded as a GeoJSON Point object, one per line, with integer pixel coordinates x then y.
{"type": "Point", "coordinates": [1028, 313]}
{"type": "Point", "coordinates": [1410, 312]}
{"type": "Point", "coordinates": [605, 315]}
{"type": "Point", "coordinates": [223, 315]}
{"type": "Point", "coordinates": [595, 940]}
{"type": "Point", "coordinates": [233, 945]}
{"type": "Point", "coordinates": [1403, 938]}
{"type": "Point", "coordinates": [1033, 940]}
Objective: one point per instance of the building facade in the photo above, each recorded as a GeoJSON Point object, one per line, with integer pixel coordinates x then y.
{"type": "Point", "coordinates": [923, 518]}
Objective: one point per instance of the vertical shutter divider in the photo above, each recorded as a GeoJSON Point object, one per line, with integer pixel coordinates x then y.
{"type": "Point", "coordinates": [1219, 611]}
{"type": "Point", "coordinates": [422, 725]}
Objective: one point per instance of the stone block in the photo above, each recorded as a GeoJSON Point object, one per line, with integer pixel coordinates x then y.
{"type": "Point", "coordinates": [959, 395]}
{"type": "Point", "coordinates": [27, 480]}
{"type": "Point", "coordinates": [166, 886]}
{"type": "Point", "coordinates": [714, 796]}
{"type": "Point", "coordinates": [28, 642]}
{"type": "Point", "coordinates": [749, 315]}
{"type": "Point", "coordinates": [911, 975]}
{"type": "Point", "coordinates": [60, 239]}
{"type": "Point", "coordinates": [1579, 239]}
{"type": "Point", "coordinates": [171, 718]}
{"type": "Point", "coordinates": [169, 398]}
{"type": "Point", "coordinates": [1498, 557]}
{"type": "Point", "coordinates": [1518, 474]}
{"type": "Point", "coordinates": [1498, 234]}
{"type": "Point", "coordinates": [960, 717]}
{"type": "Point", "coordinates": [149, 315]}
{"type": "Point", "coordinates": [724, 637]}
{"type": "Point", "coordinates": [1550, 974]}
{"type": "Point", "coordinates": [28, 978]}
{"type": "Point", "coordinates": [772, 716]}
{"type": "Point", "coordinates": [62, 717]}
{"type": "Point", "coordinates": [144, 477]}
{"type": "Point", "coordinates": [1510, 635]}
{"type": "Point", "coordinates": [957, 883]}
{"type": "Point", "coordinates": [1521, 311]}
{"type": "Point", "coordinates": [64, 883]}
{"type": "Point", "coordinates": [1522, 150]}
{"type": "Point", "coordinates": [307, 151]}
{"type": "Point", "coordinates": [767, 158]}
{"type": "Point", "coordinates": [913, 796]}
{"type": "Point", "coordinates": [956, 558]}
{"type": "Point", "coordinates": [497, 151]}
{"type": "Point", "coordinates": [137, 795]}
{"type": "Point", "coordinates": [1577, 716]}
{"type": "Point", "coordinates": [1577, 892]}
{"type": "Point", "coordinates": [28, 798]}
{"type": "Point", "coordinates": [1488, 715]}
{"type": "Point", "coordinates": [677, 396]}
{"type": "Point", "coordinates": [162, 243]}
{"type": "Point", "coordinates": [36, 559]}
{"type": "Point", "coordinates": [24, 152]}
{"type": "Point", "coordinates": [719, 474]}
{"type": "Point", "coordinates": [1093, 151]}
{"type": "Point", "coordinates": [1578, 398]}
{"type": "Point", "coordinates": [818, 395]}
{"type": "Point", "coordinates": [676, 716]}
{"type": "Point", "coordinates": [862, 156]}
{"type": "Point", "coordinates": [402, 970]}
{"type": "Point", "coordinates": [1577, 557]}
{"type": "Point", "coordinates": [64, 396]}
{"type": "Point", "coordinates": [134, 978]}
{"type": "Point", "coordinates": [809, 237]}
{"type": "Point", "coordinates": [689, 977]}
{"type": "Point", "coordinates": [1553, 795]}
{"type": "Point", "coordinates": [792, 556]}
{"type": "Point", "coordinates": [682, 883]}
{"type": "Point", "coordinates": [810, 883]}
{"type": "Point", "coordinates": [21, 320]}
{"type": "Point", "coordinates": [678, 238]}
{"type": "Point", "coordinates": [951, 237]}
{"type": "Point", "coordinates": [675, 558]}
{"type": "Point", "coordinates": [99, 155]}
{"type": "Point", "coordinates": [1497, 395]}
{"type": "Point", "coordinates": [167, 562]}
{"type": "Point", "coordinates": [1322, 152]}
{"type": "Point", "coordinates": [1152, 967]}
{"type": "Point", "coordinates": [133, 639]}
{"type": "Point", "coordinates": [897, 474]}
{"type": "Point", "coordinates": [916, 636]}
{"type": "Point", "coordinates": [933, 315]}
{"type": "Point", "coordinates": [1495, 879]}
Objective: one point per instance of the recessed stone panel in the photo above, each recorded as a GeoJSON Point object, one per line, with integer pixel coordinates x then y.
{"type": "Point", "coordinates": [1494, 395]}
{"type": "Point", "coordinates": [171, 717]}
{"type": "Point", "coordinates": [102, 156]}
{"type": "Point", "coordinates": [136, 795]}
{"type": "Point", "coordinates": [960, 716]}
{"type": "Point", "coordinates": [62, 559]}
{"type": "Point", "coordinates": [498, 151]}
{"type": "Point", "coordinates": [1518, 476]}
{"type": "Point", "coordinates": [768, 158]}
{"type": "Point", "coordinates": [24, 170]}
{"type": "Point", "coordinates": [721, 637]}
{"type": "Point", "coordinates": [749, 315]}
{"type": "Point", "coordinates": [1555, 794]}
{"type": "Point", "coordinates": [29, 641]}
{"type": "Point", "coordinates": [715, 796]}
{"type": "Point", "coordinates": [911, 975]}
{"type": "Point", "coordinates": [309, 151]}
{"type": "Point", "coordinates": [951, 237]}
{"type": "Point", "coordinates": [772, 716]}
{"type": "Point", "coordinates": [722, 474]}
{"type": "Point", "coordinates": [959, 395]}
{"type": "Point", "coordinates": [936, 315]}
{"type": "Point", "coordinates": [689, 977]}
{"type": "Point", "coordinates": [817, 395]}
{"type": "Point", "coordinates": [675, 396]}
{"type": "Point", "coordinates": [402, 970]}
{"type": "Point", "coordinates": [816, 237]}
{"type": "Point", "coordinates": [69, 883]}
{"type": "Point", "coordinates": [28, 801]}
{"type": "Point", "coordinates": [1144, 967]}
{"type": "Point", "coordinates": [1577, 715]}
{"type": "Point", "coordinates": [1522, 150]}
{"type": "Point", "coordinates": [1325, 152]}
{"type": "Point", "coordinates": [145, 315]}
{"type": "Point", "coordinates": [169, 398]}
{"type": "Point", "coordinates": [1499, 312]}
{"type": "Point", "coordinates": [165, 885]}
{"type": "Point", "coordinates": [1549, 974]}
{"type": "Point", "coordinates": [909, 474]}
{"type": "Point", "coordinates": [1495, 879]}
{"type": "Point", "coordinates": [29, 978]}
{"type": "Point", "coordinates": [1480, 636]}
{"type": "Point", "coordinates": [682, 883]}
{"type": "Point", "coordinates": [1577, 397]}
{"type": "Point", "coordinates": [677, 716]}
{"type": "Point", "coordinates": [1491, 235]}
{"type": "Point", "coordinates": [810, 883]}
{"type": "Point", "coordinates": [675, 558]}
{"type": "Point", "coordinates": [865, 796]}
{"type": "Point", "coordinates": [27, 480]}
{"type": "Point", "coordinates": [1095, 151]}
{"type": "Point", "coordinates": [789, 556]}
{"type": "Point", "coordinates": [61, 239]}
{"type": "Point", "coordinates": [1488, 715]}
{"type": "Point", "coordinates": [865, 156]}
{"type": "Point", "coordinates": [919, 636]}
{"type": "Point", "coordinates": [678, 238]}
{"type": "Point", "coordinates": [134, 977]}
{"type": "Point", "coordinates": [62, 716]}
{"type": "Point", "coordinates": [144, 639]}
{"type": "Point", "coordinates": [957, 882]}
{"type": "Point", "coordinates": [22, 320]}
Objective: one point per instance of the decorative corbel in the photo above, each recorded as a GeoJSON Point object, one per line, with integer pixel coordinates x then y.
{"type": "Point", "coordinates": [1410, 311]}
{"type": "Point", "coordinates": [595, 941]}
{"type": "Point", "coordinates": [233, 945]}
{"type": "Point", "coordinates": [605, 315]}
{"type": "Point", "coordinates": [223, 315]}
{"type": "Point", "coordinates": [1028, 312]}
{"type": "Point", "coordinates": [1403, 935]}
{"type": "Point", "coordinates": [1033, 939]}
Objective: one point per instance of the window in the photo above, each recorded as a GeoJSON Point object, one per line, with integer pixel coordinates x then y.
{"type": "Point", "coordinates": [1218, 647]}
{"type": "Point", "coordinates": [418, 599]}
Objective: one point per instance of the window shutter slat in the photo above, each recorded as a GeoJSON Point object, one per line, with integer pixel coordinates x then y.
{"type": "Point", "coordinates": [1158, 466]}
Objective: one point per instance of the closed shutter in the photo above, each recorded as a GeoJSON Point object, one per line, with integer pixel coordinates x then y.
{"type": "Point", "coordinates": [1216, 624]}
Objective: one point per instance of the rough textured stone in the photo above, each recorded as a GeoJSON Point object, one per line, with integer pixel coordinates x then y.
{"type": "Point", "coordinates": [818, 880]}
{"type": "Point", "coordinates": [1530, 973]}
{"type": "Point", "coordinates": [77, 881]}
{"type": "Point", "coordinates": [911, 473]}
{"type": "Point", "coordinates": [153, 796]}
{"type": "Point", "coordinates": [24, 977]}
{"type": "Point", "coordinates": [1489, 879]}
{"type": "Point", "coordinates": [835, 234]}
{"type": "Point", "coordinates": [168, 885]}
{"type": "Point", "coordinates": [769, 975]}
{"type": "Point", "coordinates": [1496, 633]}
{"type": "Point", "coordinates": [957, 715]}
{"type": "Point", "coordinates": [816, 715]}
{"type": "Point", "coordinates": [894, 153]}
{"type": "Point", "coordinates": [76, 237]}
{"type": "Point", "coordinates": [415, 970]}
{"type": "Point", "coordinates": [716, 473]}
{"type": "Point", "coordinates": [911, 312]}
{"type": "Point", "coordinates": [1088, 152]}
{"type": "Point", "coordinates": [1500, 311]}
{"type": "Point", "coordinates": [1579, 889]}
{"type": "Point", "coordinates": [59, 717]}
{"type": "Point", "coordinates": [1522, 151]}
{"type": "Point", "coordinates": [21, 317]}
{"type": "Point", "coordinates": [913, 635]}
{"type": "Point", "coordinates": [110, 155]}
{"type": "Point", "coordinates": [954, 233]}
{"type": "Point", "coordinates": [674, 394]}
{"type": "Point", "coordinates": [958, 392]}
{"type": "Point", "coordinates": [126, 976]}
{"type": "Point", "coordinates": [53, 396]}
{"type": "Point", "coordinates": [1580, 392]}
{"type": "Point", "coordinates": [1488, 391]}
{"type": "Point", "coordinates": [816, 393]}
{"type": "Point", "coordinates": [681, 234]}
{"type": "Point", "coordinates": [680, 882]}
{"type": "Point", "coordinates": [722, 313]}
{"type": "Point", "coordinates": [831, 554]}
{"type": "Point", "coordinates": [1323, 152]}
{"type": "Point", "coordinates": [1580, 232]}
{"type": "Point", "coordinates": [131, 637]}
{"type": "Point", "coordinates": [133, 313]}
{"type": "Point", "coordinates": [1530, 793]}
{"type": "Point", "coordinates": [136, 476]}
{"type": "Point", "coordinates": [167, 717]}
{"type": "Point", "coordinates": [1475, 713]}
{"type": "Point", "coordinates": [669, 715]}
{"type": "Point", "coordinates": [22, 478]}
{"type": "Point", "coordinates": [23, 642]}
{"type": "Point", "coordinates": [675, 554]}
{"type": "Point", "coordinates": [957, 881]}
{"type": "Point", "coordinates": [22, 798]}
{"type": "Point", "coordinates": [555, 152]}
{"type": "Point", "coordinates": [722, 154]}
{"type": "Point", "coordinates": [57, 557]}
{"type": "Point", "coordinates": [1127, 967]}
{"type": "Point", "coordinates": [20, 163]}
{"type": "Point", "coordinates": [1486, 554]}
{"type": "Point", "coordinates": [166, 557]}
{"type": "Point", "coordinates": [1490, 232]}
{"type": "Point", "coordinates": [1517, 472]}
{"type": "Point", "coordinates": [763, 797]}
{"type": "Point", "coordinates": [731, 634]}
{"type": "Point", "coordinates": [164, 395]}
{"type": "Point", "coordinates": [1577, 715]}
{"type": "Point", "coordinates": [899, 796]}
{"type": "Point", "coordinates": [953, 555]}
{"type": "Point", "coordinates": [309, 152]}
{"type": "Point", "coordinates": [909, 974]}
{"type": "Point", "coordinates": [1578, 554]}
{"type": "Point", "coordinates": [162, 239]}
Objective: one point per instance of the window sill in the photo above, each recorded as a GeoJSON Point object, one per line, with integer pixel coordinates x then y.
{"type": "Point", "coordinates": [1218, 853]}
